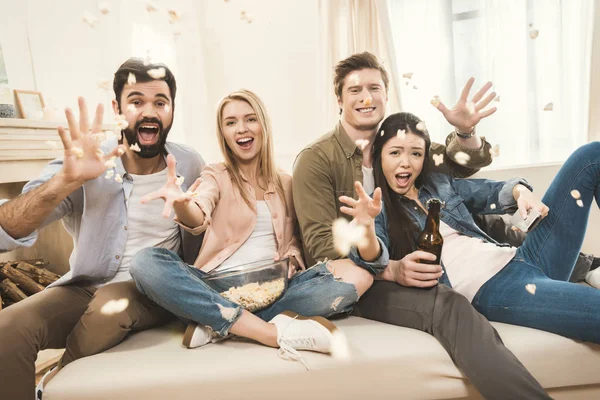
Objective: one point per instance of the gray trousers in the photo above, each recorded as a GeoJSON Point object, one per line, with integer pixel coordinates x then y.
{"type": "Point", "coordinates": [468, 337]}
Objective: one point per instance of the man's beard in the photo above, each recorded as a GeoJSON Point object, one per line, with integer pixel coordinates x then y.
{"type": "Point", "coordinates": [148, 151]}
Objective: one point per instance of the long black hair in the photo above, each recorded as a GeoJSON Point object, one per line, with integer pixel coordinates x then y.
{"type": "Point", "coordinates": [402, 229]}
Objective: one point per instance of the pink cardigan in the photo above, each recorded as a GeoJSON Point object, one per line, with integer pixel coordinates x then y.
{"type": "Point", "coordinates": [229, 221]}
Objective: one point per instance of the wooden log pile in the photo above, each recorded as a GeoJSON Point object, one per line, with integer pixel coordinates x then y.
{"type": "Point", "coordinates": [20, 279]}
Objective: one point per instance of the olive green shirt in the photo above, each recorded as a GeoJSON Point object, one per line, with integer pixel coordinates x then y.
{"type": "Point", "coordinates": [328, 168]}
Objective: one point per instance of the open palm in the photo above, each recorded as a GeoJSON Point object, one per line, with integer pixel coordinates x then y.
{"type": "Point", "coordinates": [365, 209]}
{"type": "Point", "coordinates": [83, 158]}
{"type": "Point", "coordinates": [171, 192]}
{"type": "Point", "coordinates": [466, 114]}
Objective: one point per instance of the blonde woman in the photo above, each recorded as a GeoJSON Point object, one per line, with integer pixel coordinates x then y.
{"type": "Point", "coordinates": [245, 208]}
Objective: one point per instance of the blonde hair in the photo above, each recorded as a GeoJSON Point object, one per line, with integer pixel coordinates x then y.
{"type": "Point", "coordinates": [266, 168]}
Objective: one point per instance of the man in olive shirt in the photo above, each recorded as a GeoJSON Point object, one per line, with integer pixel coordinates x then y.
{"type": "Point", "coordinates": [328, 168]}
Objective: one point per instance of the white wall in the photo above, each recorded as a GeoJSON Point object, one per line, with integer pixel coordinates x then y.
{"type": "Point", "coordinates": [216, 53]}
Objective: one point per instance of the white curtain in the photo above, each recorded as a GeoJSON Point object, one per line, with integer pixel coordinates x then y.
{"type": "Point", "coordinates": [536, 52]}
{"type": "Point", "coordinates": [347, 27]}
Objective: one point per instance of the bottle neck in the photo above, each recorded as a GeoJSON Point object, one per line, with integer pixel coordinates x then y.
{"type": "Point", "coordinates": [433, 217]}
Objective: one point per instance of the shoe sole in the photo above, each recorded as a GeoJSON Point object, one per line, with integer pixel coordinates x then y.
{"type": "Point", "coordinates": [323, 321]}
{"type": "Point", "coordinates": [188, 335]}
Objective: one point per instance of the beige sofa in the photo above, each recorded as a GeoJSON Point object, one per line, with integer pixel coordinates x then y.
{"type": "Point", "coordinates": [386, 362]}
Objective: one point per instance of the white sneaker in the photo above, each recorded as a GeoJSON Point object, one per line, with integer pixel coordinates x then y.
{"type": "Point", "coordinates": [295, 332]}
{"type": "Point", "coordinates": [198, 335]}
{"type": "Point", "coordinates": [593, 278]}
{"type": "Point", "coordinates": [39, 389]}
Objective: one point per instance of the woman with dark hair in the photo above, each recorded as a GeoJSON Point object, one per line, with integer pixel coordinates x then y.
{"type": "Point", "coordinates": [504, 283]}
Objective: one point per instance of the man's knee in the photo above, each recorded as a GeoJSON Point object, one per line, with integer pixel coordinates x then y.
{"type": "Point", "coordinates": [20, 326]}
{"type": "Point", "coordinates": [112, 303]}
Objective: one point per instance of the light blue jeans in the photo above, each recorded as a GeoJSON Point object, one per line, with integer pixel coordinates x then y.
{"type": "Point", "coordinates": [178, 287]}
{"type": "Point", "coordinates": [547, 258]}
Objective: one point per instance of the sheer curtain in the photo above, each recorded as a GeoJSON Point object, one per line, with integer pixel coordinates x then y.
{"type": "Point", "coordinates": [536, 52]}
{"type": "Point", "coordinates": [347, 27]}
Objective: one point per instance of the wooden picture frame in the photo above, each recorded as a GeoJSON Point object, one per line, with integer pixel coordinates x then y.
{"type": "Point", "coordinates": [31, 104]}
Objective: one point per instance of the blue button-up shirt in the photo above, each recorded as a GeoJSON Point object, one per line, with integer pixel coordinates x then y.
{"type": "Point", "coordinates": [461, 198]}
{"type": "Point", "coordinates": [95, 215]}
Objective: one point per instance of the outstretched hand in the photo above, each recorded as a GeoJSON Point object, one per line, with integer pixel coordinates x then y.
{"type": "Point", "coordinates": [466, 114]}
{"type": "Point", "coordinates": [365, 209]}
{"type": "Point", "coordinates": [171, 192]}
{"type": "Point", "coordinates": [83, 157]}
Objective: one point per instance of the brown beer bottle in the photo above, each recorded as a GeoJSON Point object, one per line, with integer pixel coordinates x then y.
{"type": "Point", "coordinates": [430, 240]}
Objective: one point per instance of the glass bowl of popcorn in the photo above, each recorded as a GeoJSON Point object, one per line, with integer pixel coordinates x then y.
{"type": "Point", "coordinates": [253, 286]}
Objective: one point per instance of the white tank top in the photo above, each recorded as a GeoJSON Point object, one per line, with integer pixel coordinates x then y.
{"type": "Point", "coordinates": [260, 246]}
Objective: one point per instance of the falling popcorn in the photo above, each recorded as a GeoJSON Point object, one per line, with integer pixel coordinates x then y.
{"type": "Point", "coordinates": [421, 126]}
{"type": "Point", "coordinates": [495, 151]}
{"type": "Point", "coordinates": [109, 174]}
{"type": "Point", "coordinates": [179, 181]}
{"type": "Point", "coordinates": [534, 33]}
{"type": "Point", "coordinates": [151, 7]}
{"type": "Point", "coordinates": [99, 137]}
{"type": "Point", "coordinates": [415, 87]}
{"type": "Point", "coordinates": [407, 75]}
{"type": "Point", "coordinates": [78, 151]}
{"type": "Point", "coordinates": [497, 98]}
{"type": "Point", "coordinates": [347, 234]}
{"type": "Point", "coordinates": [118, 178]}
{"type": "Point", "coordinates": [89, 19]}
{"type": "Point", "coordinates": [121, 122]}
{"type": "Point", "coordinates": [361, 143]}
{"type": "Point", "coordinates": [99, 153]}
{"type": "Point", "coordinates": [157, 73]}
{"type": "Point", "coordinates": [135, 147]}
{"type": "Point", "coordinates": [368, 101]}
{"type": "Point", "coordinates": [549, 107]}
{"type": "Point", "coordinates": [435, 101]}
{"type": "Point", "coordinates": [52, 144]}
{"type": "Point", "coordinates": [382, 133]}
{"type": "Point", "coordinates": [575, 194]}
{"type": "Point", "coordinates": [131, 108]}
{"type": "Point", "coordinates": [462, 158]}
{"type": "Point", "coordinates": [104, 85]}
{"type": "Point", "coordinates": [580, 203]}
{"type": "Point", "coordinates": [530, 287]}
{"type": "Point", "coordinates": [438, 159]}
{"type": "Point", "coordinates": [471, 107]}
{"type": "Point", "coordinates": [493, 206]}
{"type": "Point", "coordinates": [131, 79]}
{"type": "Point", "coordinates": [114, 306]}
{"type": "Point", "coordinates": [103, 7]}
{"type": "Point", "coordinates": [174, 15]}
{"type": "Point", "coordinates": [401, 134]}
{"type": "Point", "coordinates": [111, 163]}
{"type": "Point", "coordinates": [167, 108]}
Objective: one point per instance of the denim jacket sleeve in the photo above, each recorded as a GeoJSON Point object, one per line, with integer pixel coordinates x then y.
{"type": "Point", "coordinates": [375, 267]}
{"type": "Point", "coordinates": [7, 242]}
{"type": "Point", "coordinates": [485, 196]}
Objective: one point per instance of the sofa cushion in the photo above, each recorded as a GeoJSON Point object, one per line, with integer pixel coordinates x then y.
{"type": "Point", "coordinates": [387, 360]}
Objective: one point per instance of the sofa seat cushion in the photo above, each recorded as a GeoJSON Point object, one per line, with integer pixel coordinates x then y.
{"type": "Point", "coordinates": [387, 360]}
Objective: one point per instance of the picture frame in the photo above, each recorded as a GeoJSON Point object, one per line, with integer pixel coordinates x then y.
{"type": "Point", "coordinates": [30, 104]}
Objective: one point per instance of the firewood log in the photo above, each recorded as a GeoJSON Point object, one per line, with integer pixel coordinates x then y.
{"type": "Point", "coordinates": [24, 282]}
{"type": "Point", "coordinates": [12, 291]}
{"type": "Point", "coordinates": [38, 274]}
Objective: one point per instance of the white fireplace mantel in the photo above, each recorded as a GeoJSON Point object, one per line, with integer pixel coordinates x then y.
{"type": "Point", "coordinates": [26, 146]}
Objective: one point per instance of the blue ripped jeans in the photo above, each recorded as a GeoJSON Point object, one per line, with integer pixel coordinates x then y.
{"type": "Point", "coordinates": [547, 258]}
{"type": "Point", "coordinates": [178, 287]}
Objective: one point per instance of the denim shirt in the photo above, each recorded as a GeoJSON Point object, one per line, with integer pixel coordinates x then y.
{"type": "Point", "coordinates": [95, 215]}
{"type": "Point", "coordinates": [461, 198]}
